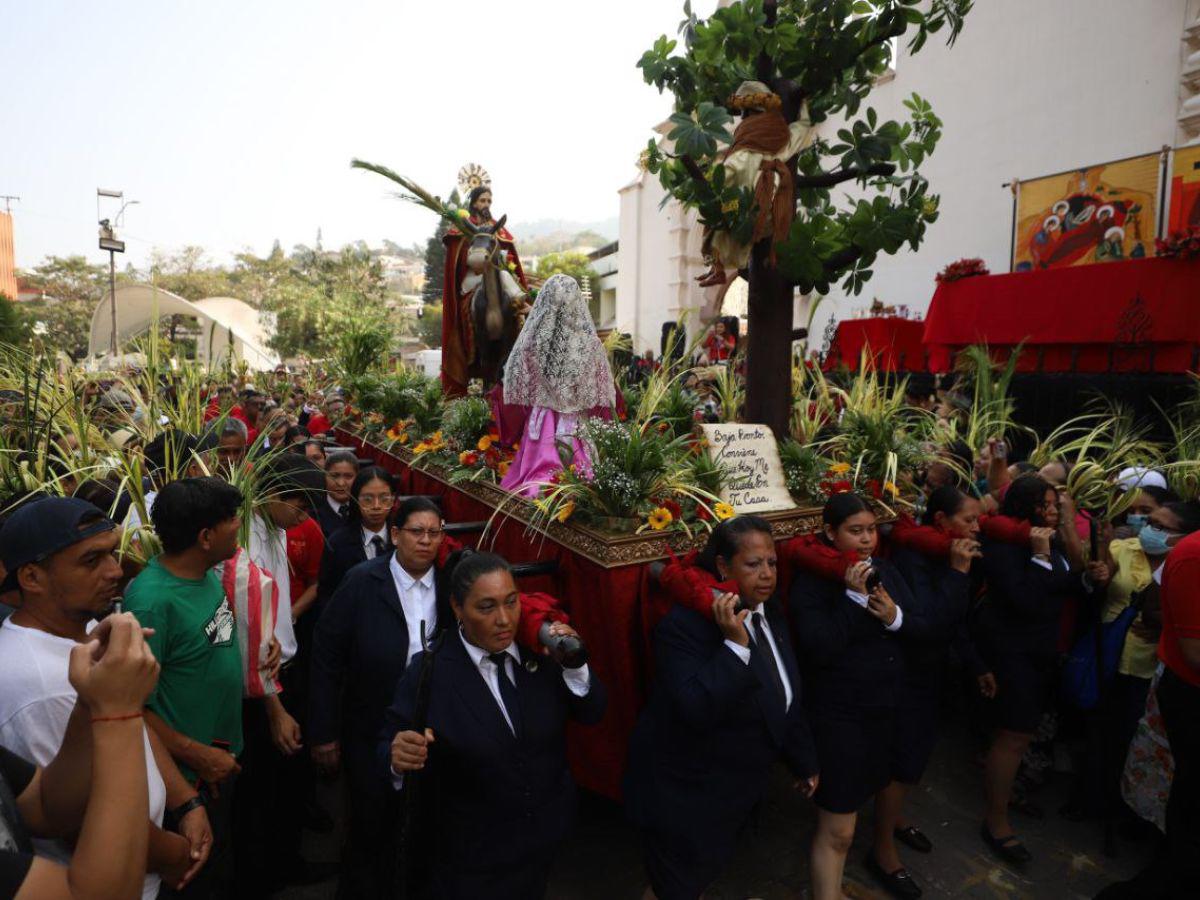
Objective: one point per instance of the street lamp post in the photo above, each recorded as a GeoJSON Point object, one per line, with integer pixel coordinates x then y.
{"type": "Point", "coordinates": [109, 242]}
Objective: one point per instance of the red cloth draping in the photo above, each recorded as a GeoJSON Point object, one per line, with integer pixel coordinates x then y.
{"type": "Point", "coordinates": [1136, 316]}
{"type": "Point", "coordinates": [894, 343]}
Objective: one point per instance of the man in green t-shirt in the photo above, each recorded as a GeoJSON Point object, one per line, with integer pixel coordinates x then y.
{"type": "Point", "coordinates": [196, 709]}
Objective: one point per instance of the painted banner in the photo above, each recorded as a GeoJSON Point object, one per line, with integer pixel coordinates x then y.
{"type": "Point", "coordinates": [1096, 214]}
{"type": "Point", "coordinates": [1185, 190]}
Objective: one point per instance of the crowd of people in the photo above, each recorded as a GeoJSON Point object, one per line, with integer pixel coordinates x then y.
{"type": "Point", "coordinates": [172, 745]}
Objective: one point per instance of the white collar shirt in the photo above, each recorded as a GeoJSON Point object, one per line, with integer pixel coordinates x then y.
{"type": "Point", "coordinates": [368, 541]}
{"type": "Point", "coordinates": [743, 653]}
{"type": "Point", "coordinates": [490, 673]}
{"type": "Point", "coordinates": [418, 599]}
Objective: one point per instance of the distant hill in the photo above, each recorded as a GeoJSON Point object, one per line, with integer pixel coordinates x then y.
{"type": "Point", "coordinates": [553, 235]}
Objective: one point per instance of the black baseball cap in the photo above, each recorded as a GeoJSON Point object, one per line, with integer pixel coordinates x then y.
{"type": "Point", "coordinates": [40, 529]}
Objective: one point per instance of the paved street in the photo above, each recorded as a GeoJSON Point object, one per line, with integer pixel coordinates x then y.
{"type": "Point", "coordinates": [602, 860]}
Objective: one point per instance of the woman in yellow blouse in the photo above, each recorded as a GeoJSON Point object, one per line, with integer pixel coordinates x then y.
{"type": "Point", "coordinates": [1159, 522]}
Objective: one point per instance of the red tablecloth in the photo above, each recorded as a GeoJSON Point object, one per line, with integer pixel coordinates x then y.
{"type": "Point", "coordinates": [1140, 315]}
{"type": "Point", "coordinates": [894, 343]}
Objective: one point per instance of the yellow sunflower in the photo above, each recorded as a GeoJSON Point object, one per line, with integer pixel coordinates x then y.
{"type": "Point", "coordinates": [723, 511]}
{"type": "Point", "coordinates": [839, 468]}
{"type": "Point", "coordinates": [660, 518]}
{"type": "Point", "coordinates": [890, 488]}
{"type": "Point", "coordinates": [565, 511]}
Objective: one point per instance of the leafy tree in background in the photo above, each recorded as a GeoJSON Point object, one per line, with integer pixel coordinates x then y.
{"type": "Point", "coordinates": [71, 287]}
{"type": "Point", "coordinates": [823, 56]}
{"type": "Point", "coordinates": [435, 260]}
{"type": "Point", "coordinates": [578, 266]}
{"type": "Point", "coordinates": [429, 327]}
{"type": "Point", "coordinates": [14, 327]}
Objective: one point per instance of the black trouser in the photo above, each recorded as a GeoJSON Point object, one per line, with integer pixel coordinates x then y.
{"type": "Point", "coordinates": [215, 880]}
{"type": "Point", "coordinates": [372, 816]}
{"type": "Point", "coordinates": [269, 814]}
{"type": "Point", "coordinates": [1179, 703]}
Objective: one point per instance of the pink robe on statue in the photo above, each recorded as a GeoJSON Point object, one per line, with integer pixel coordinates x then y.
{"type": "Point", "coordinates": [539, 429]}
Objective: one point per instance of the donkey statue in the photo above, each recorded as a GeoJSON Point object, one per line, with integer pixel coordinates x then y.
{"type": "Point", "coordinates": [498, 305]}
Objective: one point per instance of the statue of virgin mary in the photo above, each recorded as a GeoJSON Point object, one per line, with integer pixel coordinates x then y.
{"type": "Point", "coordinates": [559, 373]}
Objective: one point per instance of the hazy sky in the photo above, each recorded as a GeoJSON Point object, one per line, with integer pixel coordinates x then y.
{"type": "Point", "coordinates": [233, 121]}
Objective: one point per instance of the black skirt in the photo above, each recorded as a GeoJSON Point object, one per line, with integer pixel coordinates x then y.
{"type": "Point", "coordinates": [1024, 687]}
{"type": "Point", "coordinates": [916, 728]}
{"type": "Point", "coordinates": [854, 749]}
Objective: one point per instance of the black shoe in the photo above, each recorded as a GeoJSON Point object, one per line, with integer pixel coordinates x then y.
{"type": "Point", "coordinates": [915, 838]}
{"type": "Point", "coordinates": [1010, 849]}
{"type": "Point", "coordinates": [898, 884]}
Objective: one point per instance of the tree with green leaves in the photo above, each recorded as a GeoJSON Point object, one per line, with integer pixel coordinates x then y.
{"type": "Point", "coordinates": [818, 59]}
{"type": "Point", "coordinates": [578, 266]}
{"type": "Point", "coordinates": [435, 259]}
{"type": "Point", "coordinates": [70, 288]}
{"type": "Point", "coordinates": [14, 328]}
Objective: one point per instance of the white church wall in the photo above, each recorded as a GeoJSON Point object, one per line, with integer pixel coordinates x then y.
{"type": "Point", "coordinates": [1030, 88]}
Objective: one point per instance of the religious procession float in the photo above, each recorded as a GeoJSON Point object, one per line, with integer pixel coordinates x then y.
{"type": "Point", "coordinates": [588, 465]}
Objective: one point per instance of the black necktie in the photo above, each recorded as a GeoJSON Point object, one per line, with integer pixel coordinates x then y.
{"type": "Point", "coordinates": [508, 691]}
{"type": "Point", "coordinates": [344, 512]}
{"type": "Point", "coordinates": [377, 543]}
{"type": "Point", "coordinates": [763, 646]}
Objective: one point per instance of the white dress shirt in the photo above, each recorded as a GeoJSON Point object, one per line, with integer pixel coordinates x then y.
{"type": "Point", "coordinates": [743, 653]}
{"type": "Point", "coordinates": [368, 536]}
{"type": "Point", "coordinates": [862, 600]}
{"type": "Point", "coordinates": [577, 680]}
{"type": "Point", "coordinates": [268, 550]}
{"type": "Point", "coordinates": [418, 599]}
{"type": "Point", "coordinates": [334, 505]}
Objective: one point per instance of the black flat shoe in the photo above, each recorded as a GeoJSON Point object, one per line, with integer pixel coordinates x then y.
{"type": "Point", "coordinates": [914, 837]}
{"type": "Point", "coordinates": [898, 884]}
{"type": "Point", "coordinates": [1010, 849]}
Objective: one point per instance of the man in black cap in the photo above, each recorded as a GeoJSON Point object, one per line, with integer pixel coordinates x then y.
{"type": "Point", "coordinates": [58, 554]}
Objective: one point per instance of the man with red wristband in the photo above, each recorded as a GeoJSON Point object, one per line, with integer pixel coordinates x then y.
{"type": "Point", "coordinates": [58, 553]}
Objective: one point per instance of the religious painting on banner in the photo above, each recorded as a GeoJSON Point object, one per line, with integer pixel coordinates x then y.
{"type": "Point", "coordinates": [1185, 190]}
{"type": "Point", "coordinates": [1097, 214]}
{"type": "Point", "coordinates": [754, 478]}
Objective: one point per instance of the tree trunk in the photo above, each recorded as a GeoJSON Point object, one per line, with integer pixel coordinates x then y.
{"type": "Point", "coordinates": [769, 360]}
{"type": "Point", "coordinates": [769, 347]}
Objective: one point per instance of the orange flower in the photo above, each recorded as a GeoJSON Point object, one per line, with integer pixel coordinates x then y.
{"type": "Point", "coordinates": [484, 443]}
{"type": "Point", "coordinates": [468, 458]}
{"type": "Point", "coordinates": [565, 511]}
{"type": "Point", "coordinates": [660, 518]}
{"type": "Point", "coordinates": [502, 468]}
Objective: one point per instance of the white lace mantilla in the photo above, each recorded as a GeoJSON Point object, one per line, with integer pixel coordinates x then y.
{"type": "Point", "coordinates": [558, 361]}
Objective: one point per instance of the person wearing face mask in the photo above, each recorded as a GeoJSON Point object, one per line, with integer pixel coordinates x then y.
{"type": "Point", "coordinates": [1137, 565]}
{"type": "Point", "coordinates": [726, 705]}
{"type": "Point", "coordinates": [848, 637]}
{"type": "Point", "coordinates": [493, 741]}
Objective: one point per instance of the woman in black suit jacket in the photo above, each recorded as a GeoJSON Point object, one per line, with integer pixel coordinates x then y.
{"type": "Point", "coordinates": [494, 742]}
{"type": "Point", "coordinates": [340, 469]}
{"type": "Point", "coordinates": [944, 589]}
{"type": "Point", "coordinates": [848, 640]}
{"type": "Point", "coordinates": [726, 705]}
{"type": "Point", "coordinates": [364, 536]}
{"type": "Point", "coordinates": [1025, 596]}
{"type": "Point", "coordinates": [361, 647]}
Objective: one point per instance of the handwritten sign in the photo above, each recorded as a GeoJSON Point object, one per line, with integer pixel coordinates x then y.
{"type": "Point", "coordinates": [755, 482]}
